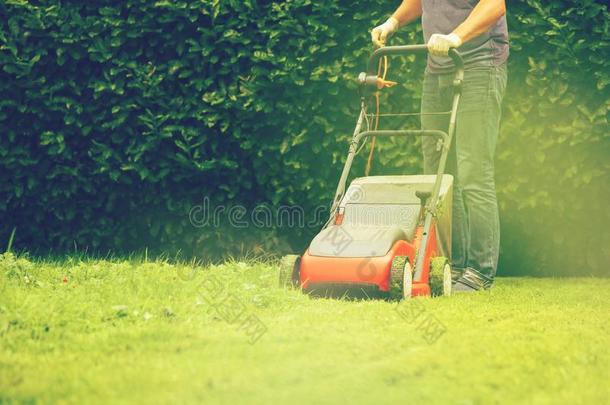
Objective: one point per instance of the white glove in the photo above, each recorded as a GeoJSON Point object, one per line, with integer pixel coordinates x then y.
{"type": "Point", "coordinates": [439, 44]}
{"type": "Point", "coordinates": [382, 32]}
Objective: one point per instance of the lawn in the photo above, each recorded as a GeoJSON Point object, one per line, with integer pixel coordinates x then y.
{"type": "Point", "coordinates": [84, 330]}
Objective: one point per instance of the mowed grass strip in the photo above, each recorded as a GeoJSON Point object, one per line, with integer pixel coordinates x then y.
{"type": "Point", "coordinates": [80, 330]}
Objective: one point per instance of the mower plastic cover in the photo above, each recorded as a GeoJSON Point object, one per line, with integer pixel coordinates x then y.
{"type": "Point", "coordinates": [378, 211]}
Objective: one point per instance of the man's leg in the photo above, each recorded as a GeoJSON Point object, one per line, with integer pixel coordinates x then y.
{"type": "Point", "coordinates": [437, 97]}
{"type": "Point", "coordinates": [477, 131]}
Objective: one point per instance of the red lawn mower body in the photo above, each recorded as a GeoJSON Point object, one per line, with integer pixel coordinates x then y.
{"type": "Point", "coordinates": [318, 272]}
{"type": "Point", "coordinates": [380, 219]}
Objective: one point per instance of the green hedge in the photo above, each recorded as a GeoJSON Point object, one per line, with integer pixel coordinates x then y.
{"type": "Point", "coordinates": [117, 119]}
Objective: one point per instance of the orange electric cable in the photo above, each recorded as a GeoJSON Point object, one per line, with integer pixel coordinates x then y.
{"type": "Point", "coordinates": [382, 63]}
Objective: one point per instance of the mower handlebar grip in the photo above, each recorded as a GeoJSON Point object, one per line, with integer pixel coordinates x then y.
{"type": "Point", "coordinates": [407, 49]}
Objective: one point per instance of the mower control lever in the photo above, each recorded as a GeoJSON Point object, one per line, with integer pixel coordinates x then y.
{"type": "Point", "coordinates": [373, 82]}
{"type": "Point", "coordinates": [423, 195]}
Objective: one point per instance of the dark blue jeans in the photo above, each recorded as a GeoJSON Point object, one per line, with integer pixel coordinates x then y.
{"type": "Point", "coordinates": [476, 225]}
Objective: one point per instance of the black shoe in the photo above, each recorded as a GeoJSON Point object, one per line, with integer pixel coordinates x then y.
{"type": "Point", "coordinates": [471, 280]}
{"type": "Point", "coordinates": [456, 273]}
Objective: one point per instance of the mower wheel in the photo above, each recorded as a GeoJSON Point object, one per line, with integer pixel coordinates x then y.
{"type": "Point", "coordinates": [401, 278]}
{"type": "Point", "coordinates": [440, 276]}
{"type": "Point", "coordinates": [290, 271]}
{"type": "Point", "coordinates": [407, 281]}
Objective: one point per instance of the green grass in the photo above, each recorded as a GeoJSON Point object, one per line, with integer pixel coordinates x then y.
{"type": "Point", "coordinates": [98, 331]}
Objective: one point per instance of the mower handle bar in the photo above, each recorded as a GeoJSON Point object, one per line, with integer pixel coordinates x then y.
{"type": "Point", "coordinates": [432, 203]}
{"type": "Point", "coordinates": [407, 49]}
{"type": "Point", "coordinates": [401, 132]}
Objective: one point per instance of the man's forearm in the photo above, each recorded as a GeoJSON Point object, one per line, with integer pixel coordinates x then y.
{"type": "Point", "coordinates": [483, 16]}
{"type": "Point", "coordinates": [408, 11]}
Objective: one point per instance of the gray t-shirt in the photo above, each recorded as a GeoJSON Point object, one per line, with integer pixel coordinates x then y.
{"type": "Point", "coordinates": [443, 16]}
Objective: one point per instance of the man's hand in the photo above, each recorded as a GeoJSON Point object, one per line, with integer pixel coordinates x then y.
{"type": "Point", "coordinates": [382, 32]}
{"type": "Point", "coordinates": [439, 44]}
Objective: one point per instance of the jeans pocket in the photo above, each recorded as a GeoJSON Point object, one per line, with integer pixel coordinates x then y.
{"type": "Point", "coordinates": [499, 83]}
{"type": "Point", "coordinates": [476, 90]}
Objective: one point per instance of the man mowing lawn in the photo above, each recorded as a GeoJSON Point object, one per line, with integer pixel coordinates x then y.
{"type": "Point", "coordinates": [478, 29]}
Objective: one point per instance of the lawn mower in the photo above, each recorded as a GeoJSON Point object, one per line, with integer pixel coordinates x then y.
{"type": "Point", "coordinates": [388, 235]}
